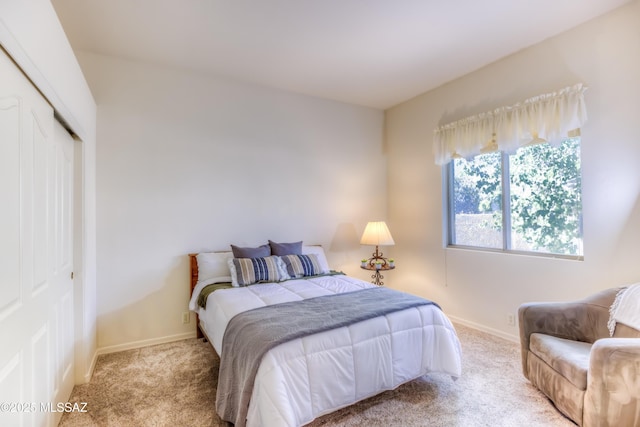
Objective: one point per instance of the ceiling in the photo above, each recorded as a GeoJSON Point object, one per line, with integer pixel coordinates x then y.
{"type": "Point", "coordinates": [374, 53]}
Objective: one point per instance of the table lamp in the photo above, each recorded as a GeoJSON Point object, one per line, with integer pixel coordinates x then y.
{"type": "Point", "coordinates": [377, 234]}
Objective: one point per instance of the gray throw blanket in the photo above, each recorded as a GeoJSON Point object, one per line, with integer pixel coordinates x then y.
{"type": "Point", "coordinates": [251, 334]}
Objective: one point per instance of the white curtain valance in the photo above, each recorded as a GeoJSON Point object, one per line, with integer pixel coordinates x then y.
{"type": "Point", "coordinates": [552, 117]}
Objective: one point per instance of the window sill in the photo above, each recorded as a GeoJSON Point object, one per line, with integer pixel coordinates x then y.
{"type": "Point", "coordinates": [515, 252]}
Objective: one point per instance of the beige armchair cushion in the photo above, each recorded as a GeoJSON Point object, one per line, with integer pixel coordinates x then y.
{"type": "Point", "coordinates": [569, 358]}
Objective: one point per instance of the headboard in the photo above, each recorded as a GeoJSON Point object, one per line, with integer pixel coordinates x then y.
{"type": "Point", "coordinates": [193, 262]}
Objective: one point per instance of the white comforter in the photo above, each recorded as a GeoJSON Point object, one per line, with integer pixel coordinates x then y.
{"type": "Point", "coordinates": [312, 376]}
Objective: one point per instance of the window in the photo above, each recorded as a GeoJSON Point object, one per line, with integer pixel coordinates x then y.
{"type": "Point", "coordinates": [529, 201]}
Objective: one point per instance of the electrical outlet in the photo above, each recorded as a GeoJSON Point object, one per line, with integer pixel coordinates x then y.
{"type": "Point", "coordinates": [185, 317]}
{"type": "Point", "coordinates": [511, 320]}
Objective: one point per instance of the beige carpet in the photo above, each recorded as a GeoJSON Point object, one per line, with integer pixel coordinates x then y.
{"type": "Point", "coordinates": [174, 385]}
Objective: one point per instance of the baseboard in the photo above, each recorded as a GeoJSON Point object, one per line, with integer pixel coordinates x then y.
{"type": "Point", "coordinates": [178, 337]}
{"type": "Point", "coordinates": [483, 328]}
{"type": "Point", "coordinates": [89, 373]}
{"type": "Point", "coordinates": [144, 343]}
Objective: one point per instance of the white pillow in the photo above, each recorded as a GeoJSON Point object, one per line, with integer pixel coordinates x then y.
{"type": "Point", "coordinates": [322, 259]}
{"type": "Point", "coordinates": [234, 273]}
{"type": "Point", "coordinates": [212, 265]}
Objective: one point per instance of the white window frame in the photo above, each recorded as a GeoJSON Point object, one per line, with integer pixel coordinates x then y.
{"type": "Point", "coordinates": [449, 215]}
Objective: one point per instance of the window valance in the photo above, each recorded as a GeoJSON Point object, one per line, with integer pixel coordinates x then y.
{"type": "Point", "coordinates": [552, 117]}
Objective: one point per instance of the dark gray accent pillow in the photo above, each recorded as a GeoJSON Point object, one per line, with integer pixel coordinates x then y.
{"type": "Point", "coordinates": [281, 249]}
{"type": "Point", "coordinates": [259, 252]}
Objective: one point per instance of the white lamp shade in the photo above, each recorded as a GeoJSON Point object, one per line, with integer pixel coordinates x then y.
{"type": "Point", "coordinates": [377, 234]}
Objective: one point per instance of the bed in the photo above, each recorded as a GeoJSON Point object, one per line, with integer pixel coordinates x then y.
{"type": "Point", "coordinates": [299, 377]}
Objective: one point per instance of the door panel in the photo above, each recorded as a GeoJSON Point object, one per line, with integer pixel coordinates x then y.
{"type": "Point", "coordinates": [10, 291]}
{"type": "Point", "coordinates": [36, 223]}
{"type": "Point", "coordinates": [12, 366]}
{"type": "Point", "coordinates": [61, 203]}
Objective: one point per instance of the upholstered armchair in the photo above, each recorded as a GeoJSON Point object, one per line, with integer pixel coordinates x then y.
{"type": "Point", "coordinates": [568, 354]}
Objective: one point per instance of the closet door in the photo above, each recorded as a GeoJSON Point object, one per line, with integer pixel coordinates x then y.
{"type": "Point", "coordinates": [60, 217]}
{"type": "Point", "coordinates": [35, 248]}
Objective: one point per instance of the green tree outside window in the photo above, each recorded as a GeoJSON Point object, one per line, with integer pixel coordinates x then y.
{"type": "Point", "coordinates": [544, 207]}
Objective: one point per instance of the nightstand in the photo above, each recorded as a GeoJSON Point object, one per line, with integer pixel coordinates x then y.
{"type": "Point", "coordinates": [377, 276]}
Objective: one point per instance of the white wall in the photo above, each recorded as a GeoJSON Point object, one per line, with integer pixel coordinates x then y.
{"type": "Point", "coordinates": [189, 163]}
{"type": "Point", "coordinates": [482, 288]}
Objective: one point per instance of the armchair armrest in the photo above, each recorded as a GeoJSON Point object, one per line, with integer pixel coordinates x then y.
{"type": "Point", "coordinates": [613, 384]}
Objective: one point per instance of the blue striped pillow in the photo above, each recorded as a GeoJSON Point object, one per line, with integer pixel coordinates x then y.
{"type": "Point", "coordinates": [256, 270]}
{"type": "Point", "coordinates": [302, 265]}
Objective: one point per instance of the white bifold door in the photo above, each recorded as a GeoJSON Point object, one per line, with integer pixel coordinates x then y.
{"type": "Point", "coordinates": [36, 255]}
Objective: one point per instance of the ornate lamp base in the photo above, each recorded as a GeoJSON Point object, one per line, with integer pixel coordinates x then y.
{"type": "Point", "coordinates": [377, 263]}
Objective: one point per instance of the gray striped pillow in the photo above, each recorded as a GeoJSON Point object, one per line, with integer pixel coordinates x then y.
{"type": "Point", "coordinates": [302, 265]}
{"type": "Point", "coordinates": [256, 270]}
